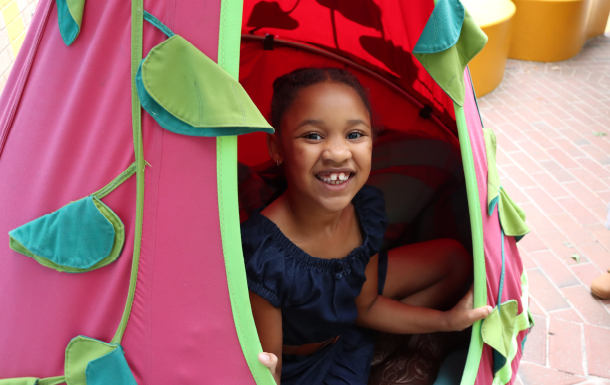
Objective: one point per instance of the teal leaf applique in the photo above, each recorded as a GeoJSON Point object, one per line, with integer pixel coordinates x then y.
{"type": "Point", "coordinates": [81, 236]}
{"type": "Point", "coordinates": [70, 18]}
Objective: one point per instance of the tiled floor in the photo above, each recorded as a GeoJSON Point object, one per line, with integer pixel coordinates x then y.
{"type": "Point", "coordinates": [552, 122]}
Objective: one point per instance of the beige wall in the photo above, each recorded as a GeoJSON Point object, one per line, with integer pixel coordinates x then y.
{"type": "Point", "coordinates": [16, 17]}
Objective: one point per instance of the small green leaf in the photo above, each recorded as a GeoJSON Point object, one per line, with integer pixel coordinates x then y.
{"type": "Point", "coordinates": [600, 134]}
{"type": "Point", "coordinates": [568, 244]}
{"type": "Point", "coordinates": [576, 257]}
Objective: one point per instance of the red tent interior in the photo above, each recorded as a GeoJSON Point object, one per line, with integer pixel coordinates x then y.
{"type": "Point", "coordinates": [416, 156]}
{"type": "Point", "coordinates": [416, 159]}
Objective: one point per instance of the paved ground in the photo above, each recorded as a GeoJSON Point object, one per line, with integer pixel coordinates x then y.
{"type": "Point", "coordinates": [552, 122]}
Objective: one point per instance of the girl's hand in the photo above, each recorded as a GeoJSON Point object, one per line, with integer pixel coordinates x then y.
{"type": "Point", "coordinates": [463, 315]}
{"type": "Point", "coordinates": [270, 361]}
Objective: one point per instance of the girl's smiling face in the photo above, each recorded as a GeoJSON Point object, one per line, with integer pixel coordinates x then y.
{"type": "Point", "coordinates": [325, 145]}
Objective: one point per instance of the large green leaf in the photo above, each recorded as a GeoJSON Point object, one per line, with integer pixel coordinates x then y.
{"type": "Point", "coordinates": [188, 93]}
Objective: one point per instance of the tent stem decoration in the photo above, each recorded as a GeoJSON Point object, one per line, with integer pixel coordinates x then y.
{"type": "Point", "coordinates": [203, 74]}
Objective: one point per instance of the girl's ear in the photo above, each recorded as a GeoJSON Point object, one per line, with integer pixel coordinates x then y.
{"type": "Point", "coordinates": [274, 145]}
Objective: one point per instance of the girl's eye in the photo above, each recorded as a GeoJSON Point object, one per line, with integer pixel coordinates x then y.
{"type": "Point", "coordinates": [313, 136]}
{"type": "Point", "coordinates": [354, 135]}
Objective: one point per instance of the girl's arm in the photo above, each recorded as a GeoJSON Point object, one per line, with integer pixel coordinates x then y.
{"type": "Point", "coordinates": [268, 320]}
{"type": "Point", "coordinates": [387, 315]}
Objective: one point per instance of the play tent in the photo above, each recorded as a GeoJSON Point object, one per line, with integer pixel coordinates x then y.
{"type": "Point", "coordinates": [123, 260]}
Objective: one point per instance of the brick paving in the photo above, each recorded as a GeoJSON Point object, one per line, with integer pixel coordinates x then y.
{"type": "Point", "coordinates": [552, 122]}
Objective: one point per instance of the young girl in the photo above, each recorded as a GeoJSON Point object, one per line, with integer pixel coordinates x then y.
{"type": "Point", "coordinates": [317, 278]}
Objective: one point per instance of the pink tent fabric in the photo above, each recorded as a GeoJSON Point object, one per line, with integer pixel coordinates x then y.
{"type": "Point", "coordinates": [61, 144]}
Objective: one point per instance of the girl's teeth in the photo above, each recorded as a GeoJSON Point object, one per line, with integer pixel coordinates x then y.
{"type": "Point", "coordinates": [335, 178]}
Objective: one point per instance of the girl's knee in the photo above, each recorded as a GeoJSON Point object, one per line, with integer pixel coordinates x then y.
{"type": "Point", "coordinates": [456, 256]}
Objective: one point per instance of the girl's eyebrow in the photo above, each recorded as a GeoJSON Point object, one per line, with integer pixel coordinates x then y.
{"type": "Point", "coordinates": [353, 122]}
{"type": "Point", "coordinates": [311, 122]}
{"type": "Point", "coordinates": [320, 122]}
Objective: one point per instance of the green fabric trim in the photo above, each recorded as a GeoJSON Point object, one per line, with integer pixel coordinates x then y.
{"type": "Point", "coordinates": [69, 17]}
{"type": "Point", "coordinates": [19, 381]}
{"type": "Point", "coordinates": [474, 95]}
{"type": "Point", "coordinates": [229, 36]}
{"type": "Point", "coordinates": [137, 19]}
{"type": "Point", "coordinates": [493, 178]}
{"type": "Point", "coordinates": [447, 67]}
{"type": "Point", "coordinates": [522, 322]}
{"type": "Point", "coordinates": [76, 8]}
{"type": "Point", "coordinates": [79, 352]}
{"type": "Point", "coordinates": [502, 274]}
{"type": "Point", "coordinates": [497, 329]}
{"type": "Point", "coordinates": [443, 28]}
{"type": "Point", "coordinates": [52, 380]}
{"type": "Point", "coordinates": [226, 168]}
{"type": "Point", "coordinates": [33, 381]}
{"type": "Point", "coordinates": [187, 93]}
{"type": "Point", "coordinates": [512, 217]}
{"type": "Point", "coordinates": [80, 237]}
{"type": "Point", "coordinates": [530, 317]}
{"type": "Point", "coordinates": [476, 224]}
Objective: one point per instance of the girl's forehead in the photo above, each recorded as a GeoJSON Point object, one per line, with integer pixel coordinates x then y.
{"type": "Point", "coordinates": [328, 98]}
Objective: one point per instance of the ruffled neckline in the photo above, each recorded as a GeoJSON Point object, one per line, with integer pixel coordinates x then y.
{"type": "Point", "coordinates": [368, 213]}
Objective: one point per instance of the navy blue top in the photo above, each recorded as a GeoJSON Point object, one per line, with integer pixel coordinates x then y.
{"type": "Point", "coordinates": [316, 295]}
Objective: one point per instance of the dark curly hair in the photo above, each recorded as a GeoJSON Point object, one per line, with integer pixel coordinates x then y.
{"type": "Point", "coordinates": [286, 88]}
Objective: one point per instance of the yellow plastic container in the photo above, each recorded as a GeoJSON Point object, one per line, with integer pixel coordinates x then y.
{"type": "Point", "coordinates": [494, 18]}
{"type": "Point", "coordinates": [548, 30]}
{"type": "Point", "coordinates": [597, 18]}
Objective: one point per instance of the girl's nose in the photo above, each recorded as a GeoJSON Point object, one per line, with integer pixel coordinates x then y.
{"type": "Point", "coordinates": [337, 151]}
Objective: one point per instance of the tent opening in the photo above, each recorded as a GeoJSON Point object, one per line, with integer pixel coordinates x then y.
{"type": "Point", "coordinates": [416, 157]}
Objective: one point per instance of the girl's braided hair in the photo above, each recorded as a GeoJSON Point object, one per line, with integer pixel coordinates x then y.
{"type": "Point", "coordinates": [286, 88]}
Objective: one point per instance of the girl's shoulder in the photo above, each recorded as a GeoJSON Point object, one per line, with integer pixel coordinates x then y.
{"type": "Point", "coordinates": [370, 208]}
{"type": "Point", "coordinates": [258, 235]}
{"type": "Point", "coordinates": [370, 199]}
{"type": "Point", "coordinates": [276, 268]}
{"type": "Point", "coordinates": [264, 258]}
{"type": "Point", "coordinates": [262, 238]}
